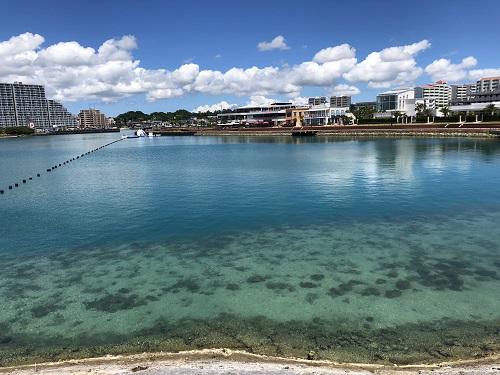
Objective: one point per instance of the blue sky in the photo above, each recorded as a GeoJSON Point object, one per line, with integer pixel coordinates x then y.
{"type": "Point", "coordinates": [216, 36]}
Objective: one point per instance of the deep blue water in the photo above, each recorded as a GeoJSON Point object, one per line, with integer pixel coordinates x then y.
{"type": "Point", "coordinates": [275, 245]}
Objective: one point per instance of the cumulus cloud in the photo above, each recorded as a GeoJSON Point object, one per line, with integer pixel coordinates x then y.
{"type": "Point", "coordinates": [277, 43]}
{"type": "Point", "coordinates": [389, 67]}
{"type": "Point", "coordinates": [344, 51]}
{"type": "Point", "coordinates": [444, 69]}
{"type": "Point", "coordinates": [475, 74]}
{"type": "Point", "coordinates": [258, 100]}
{"type": "Point", "coordinates": [214, 107]}
{"type": "Point", "coordinates": [345, 89]}
{"type": "Point", "coordinates": [71, 71]}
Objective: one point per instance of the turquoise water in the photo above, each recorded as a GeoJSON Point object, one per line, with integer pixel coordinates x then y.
{"type": "Point", "coordinates": [381, 250]}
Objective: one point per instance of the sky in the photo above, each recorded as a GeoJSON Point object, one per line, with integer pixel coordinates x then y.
{"type": "Point", "coordinates": [121, 55]}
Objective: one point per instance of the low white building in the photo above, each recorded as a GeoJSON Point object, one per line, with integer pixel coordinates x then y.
{"type": "Point", "coordinates": [399, 100]}
{"type": "Point", "coordinates": [324, 115]}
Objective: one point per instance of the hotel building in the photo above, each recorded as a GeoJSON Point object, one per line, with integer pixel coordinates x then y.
{"type": "Point", "coordinates": [26, 105]}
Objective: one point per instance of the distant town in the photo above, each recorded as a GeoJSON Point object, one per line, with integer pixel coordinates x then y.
{"type": "Point", "coordinates": [26, 106]}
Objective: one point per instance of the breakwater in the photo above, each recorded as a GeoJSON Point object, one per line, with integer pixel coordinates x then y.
{"type": "Point", "coordinates": [398, 130]}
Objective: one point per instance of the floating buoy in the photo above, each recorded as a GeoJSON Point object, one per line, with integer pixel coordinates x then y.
{"type": "Point", "coordinates": [24, 181]}
{"type": "Point", "coordinates": [59, 164]}
{"type": "Point", "coordinates": [16, 184]}
{"type": "Point", "coordinates": [10, 187]}
{"type": "Point", "coordinates": [38, 174]}
{"type": "Point", "coordinates": [48, 170]}
{"type": "Point", "coordinates": [1, 191]}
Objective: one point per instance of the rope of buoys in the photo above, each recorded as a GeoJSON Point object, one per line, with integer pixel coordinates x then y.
{"type": "Point", "coordinates": [24, 181]}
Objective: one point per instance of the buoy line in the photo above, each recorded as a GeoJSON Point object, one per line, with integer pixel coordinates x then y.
{"type": "Point", "coordinates": [55, 166]}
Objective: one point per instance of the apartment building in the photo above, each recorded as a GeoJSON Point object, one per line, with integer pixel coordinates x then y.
{"type": "Point", "coordinates": [488, 84]}
{"type": "Point", "coordinates": [440, 91]}
{"type": "Point", "coordinates": [92, 118]}
{"type": "Point", "coordinates": [340, 101]}
{"type": "Point", "coordinates": [319, 100]}
{"type": "Point", "coordinates": [26, 105]}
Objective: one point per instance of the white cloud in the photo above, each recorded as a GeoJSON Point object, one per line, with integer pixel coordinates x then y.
{"type": "Point", "coordinates": [277, 43]}
{"type": "Point", "coordinates": [110, 72]}
{"type": "Point", "coordinates": [344, 51]}
{"type": "Point", "coordinates": [475, 74]}
{"type": "Point", "coordinates": [389, 67]}
{"type": "Point", "coordinates": [258, 100]}
{"type": "Point", "coordinates": [214, 107]}
{"type": "Point", "coordinates": [300, 100]}
{"type": "Point", "coordinates": [345, 89]}
{"type": "Point", "coordinates": [444, 69]}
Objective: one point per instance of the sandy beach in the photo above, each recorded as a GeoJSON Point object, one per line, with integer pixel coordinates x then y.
{"type": "Point", "coordinates": [225, 361]}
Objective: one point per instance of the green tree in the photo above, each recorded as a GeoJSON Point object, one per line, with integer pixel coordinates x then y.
{"type": "Point", "coordinates": [427, 112]}
{"type": "Point", "coordinates": [445, 111]}
{"type": "Point", "coordinates": [490, 108]}
{"type": "Point", "coordinates": [363, 112]}
{"type": "Point", "coordinates": [419, 108]}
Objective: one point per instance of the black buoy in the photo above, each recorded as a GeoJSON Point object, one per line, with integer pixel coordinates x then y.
{"type": "Point", "coordinates": [10, 187]}
{"type": "Point", "coordinates": [1, 191]}
{"type": "Point", "coordinates": [38, 174]}
{"type": "Point", "coordinates": [24, 181]}
{"type": "Point", "coordinates": [48, 170]}
{"type": "Point", "coordinates": [16, 184]}
{"type": "Point", "coordinates": [30, 178]}
{"type": "Point", "coordinates": [59, 164]}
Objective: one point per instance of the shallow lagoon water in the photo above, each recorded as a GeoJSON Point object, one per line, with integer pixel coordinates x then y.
{"type": "Point", "coordinates": [382, 250]}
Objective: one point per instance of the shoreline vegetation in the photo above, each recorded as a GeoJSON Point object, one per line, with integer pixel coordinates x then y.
{"type": "Point", "coordinates": [223, 359]}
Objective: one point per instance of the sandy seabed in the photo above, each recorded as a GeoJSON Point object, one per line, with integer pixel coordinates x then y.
{"type": "Point", "coordinates": [225, 361]}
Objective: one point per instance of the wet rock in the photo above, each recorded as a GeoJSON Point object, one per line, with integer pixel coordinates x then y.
{"type": "Point", "coordinates": [139, 368]}
{"type": "Point", "coordinates": [312, 355]}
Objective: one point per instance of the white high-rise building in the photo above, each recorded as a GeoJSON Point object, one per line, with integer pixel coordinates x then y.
{"type": "Point", "coordinates": [26, 105]}
{"type": "Point", "coordinates": [440, 91]}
